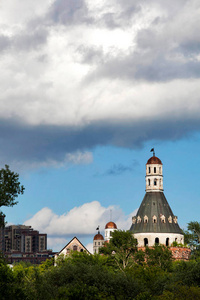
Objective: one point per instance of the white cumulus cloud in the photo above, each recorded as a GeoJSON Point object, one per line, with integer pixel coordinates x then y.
{"type": "Point", "coordinates": [79, 221]}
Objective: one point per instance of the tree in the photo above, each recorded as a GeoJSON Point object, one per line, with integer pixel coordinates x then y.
{"type": "Point", "coordinates": [159, 256]}
{"type": "Point", "coordinates": [192, 238]}
{"type": "Point", "coordinates": [10, 187]}
{"type": "Point", "coordinates": [122, 246]}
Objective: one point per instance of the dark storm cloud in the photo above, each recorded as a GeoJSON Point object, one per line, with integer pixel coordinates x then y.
{"type": "Point", "coordinates": [42, 143]}
{"type": "Point", "coordinates": [28, 40]}
{"type": "Point", "coordinates": [68, 12]}
{"type": "Point", "coordinates": [4, 42]}
{"type": "Point", "coordinates": [138, 66]}
{"type": "Point", "coordinates": [24, 40]}
{"type": "Point", "coordinates": [113, 20]}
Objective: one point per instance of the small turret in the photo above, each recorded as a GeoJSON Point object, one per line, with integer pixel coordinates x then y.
{"type": "Point", "coordinates": [97, 241]}
{"type": "Point", "coordinates": [110, 227]}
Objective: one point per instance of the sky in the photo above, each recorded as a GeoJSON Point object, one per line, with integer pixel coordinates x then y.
{"type": "Point", "coordinates": [87, 88]}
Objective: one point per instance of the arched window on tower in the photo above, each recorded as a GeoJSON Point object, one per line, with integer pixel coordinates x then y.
{"type": "Point", "coordinates": [155, 181]}
{"type": "Point", "coordinates": [167, 242]}
{"type": "Point", "coordinates": [149, 170]}
{"type": "Point", "coordinates": [170, 219]}
{"type": "Point", "coordinates": [145, 242]}
{"type": "Point", "coordinates": [157, 241]}
{"type": "Point", "coordinates": [154, 169]}
{"type": "Point", "coordinates": [162, 218]}
{"type": "Point", "coordinates": [154, 219]}
{"type": "Point", "coordinates": [145, 219]}
{"type": "Point", "coordinates": [133, 220]}
{"type": "Point", "coordinates": [149, 182]}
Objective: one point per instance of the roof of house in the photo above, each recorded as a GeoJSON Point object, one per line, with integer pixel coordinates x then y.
{"type": "Point", "coordinates": [75, 239]}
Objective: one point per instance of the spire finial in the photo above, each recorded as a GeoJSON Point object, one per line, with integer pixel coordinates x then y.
{"type": "Point", "coordinates": [152, 150]}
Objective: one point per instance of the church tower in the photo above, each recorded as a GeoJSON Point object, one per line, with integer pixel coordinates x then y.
{"type": "Point", "coordinates": [155, 222]}
{"type": "Point", "coordinates": [98, 242]}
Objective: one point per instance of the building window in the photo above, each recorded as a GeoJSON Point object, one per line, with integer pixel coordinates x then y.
{"type": "Point", "coordinates": [167, 242]}
{"type": "Point", "coordinates": [75, 248]}
{"type": "Point", "coordinates": [145, 219]}
{"type": "Point", "coordinates": [154, 169]}
{"type": "Point", "coordinates": [170, 219]}
{"type": "Point", "coordinates": [154, 219]}
{"type": "Point", "coordinates": [133, 220]}
{"type": "Point", "coordinates": [162, 219]}
{"type": "Point", "coordinates": [157, 241]}
{"type": "Point", "coordinates": [145, 242]}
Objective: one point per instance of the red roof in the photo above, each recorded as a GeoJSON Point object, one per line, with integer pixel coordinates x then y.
{"type": "Point", "coordinates": [111, 225]}
{"type": "Point", "coordinates": [98, 236]}
{"type": "Point", "coordinates": [154, 160]}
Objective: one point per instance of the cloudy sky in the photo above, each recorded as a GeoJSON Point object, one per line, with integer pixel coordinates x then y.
{"type": "Point", "coordinates": [87, 88]}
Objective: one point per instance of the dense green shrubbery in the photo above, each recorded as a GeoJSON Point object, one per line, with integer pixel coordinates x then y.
{"type": "Point", "coordinates": [121, 273]}
{"type": "Point", "coordinates": [83, 276]}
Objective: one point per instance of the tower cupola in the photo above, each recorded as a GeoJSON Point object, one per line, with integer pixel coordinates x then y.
{"type": "Point", "coordinates": [154, 174]}
{"type": "Point", "coordinates": [110, 227]}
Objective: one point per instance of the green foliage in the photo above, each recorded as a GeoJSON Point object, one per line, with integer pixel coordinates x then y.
{"type": "Point", "coordinates": [83, 276]}
{"type": "Point", "coordinates": [192, 234]}
{"type": "Point", "coordinates": [10, 187]}
{"type": "Point", "coordinates": [192, 238]}
{"type": "Point", "coordinates": [175, 244]}
{"type": "Point", "coordinates": [159, 256]}
{"type": "Point", "coordinates": [123, 273]}
{"type": "Point", "coordinates": [122, 247]}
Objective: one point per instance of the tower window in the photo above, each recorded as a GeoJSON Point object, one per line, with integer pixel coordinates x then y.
{"type": "Point", "coordinates": [154, 219]}
{"type": "Point", "coordinates": [149, 182]}
{"type": "Point", "coordinates": [155, 181]}
{"type": "Point", "coordinates": [162, 217]}
{"type": "Point", "coordinates": [154, 169]}
{"type": "Point", "coordinates": [167, 242]}
{"type": "Point", "coordinates": [157, 240]}
{"type": "Point", "coordinates": [145, 242]}
{"type": "Point", "coordinates": [149, 170]}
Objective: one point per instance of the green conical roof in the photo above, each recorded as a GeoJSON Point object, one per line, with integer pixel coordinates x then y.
{"type": "Point", "coordinates": [155, 204]}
